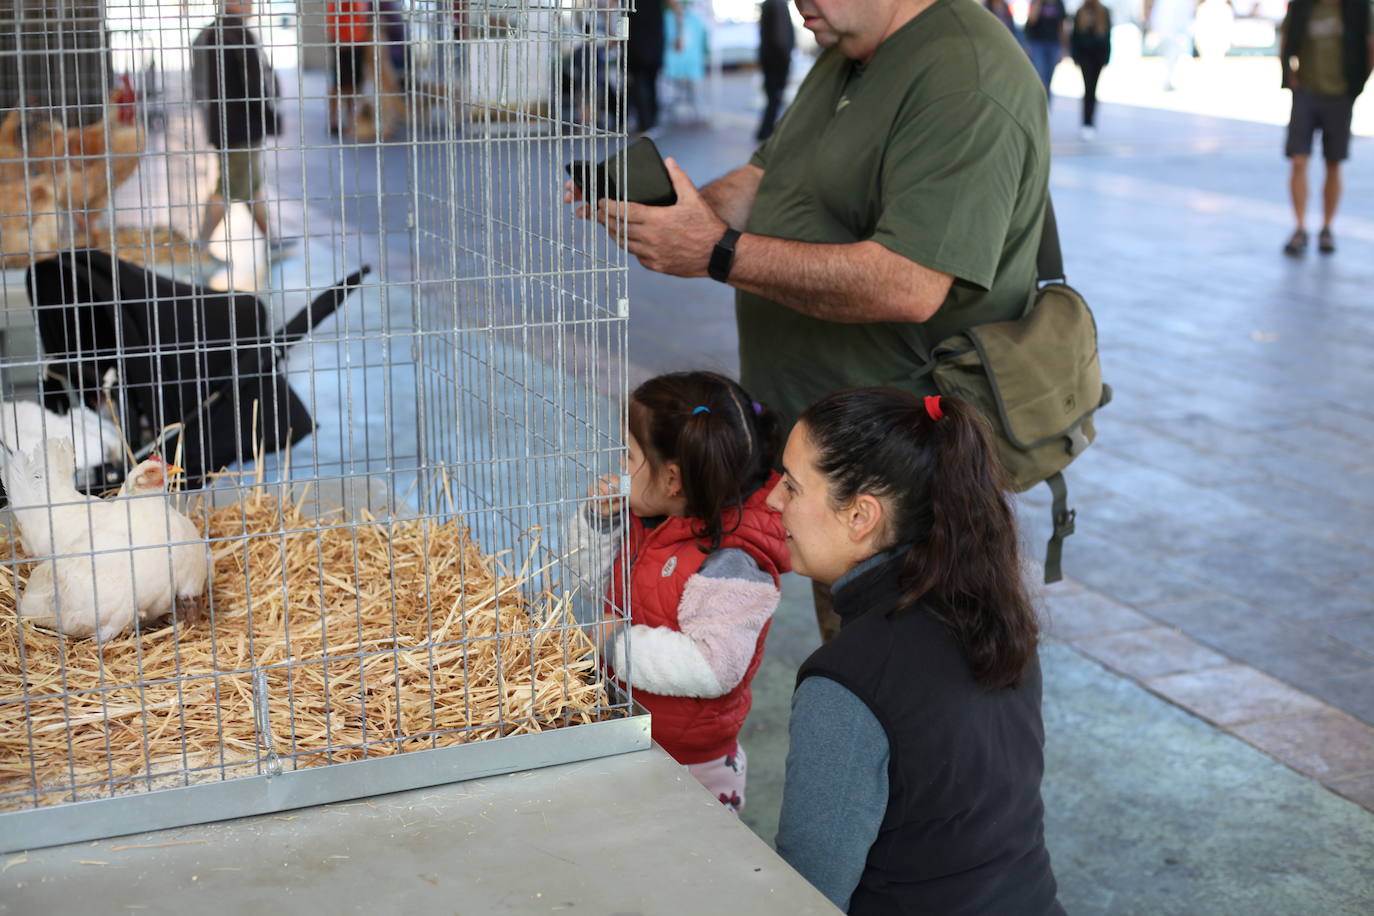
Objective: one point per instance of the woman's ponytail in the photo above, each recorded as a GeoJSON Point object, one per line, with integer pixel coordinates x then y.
{"type": "Point", "coordinates": [981, 596]}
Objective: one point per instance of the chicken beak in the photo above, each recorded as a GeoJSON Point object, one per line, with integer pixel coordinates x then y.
{"type": "Point", "coordinates": [172, 469]}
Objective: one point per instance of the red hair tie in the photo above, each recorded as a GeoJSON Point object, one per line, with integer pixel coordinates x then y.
{"type": "Point", "coordinates": [933, 407]}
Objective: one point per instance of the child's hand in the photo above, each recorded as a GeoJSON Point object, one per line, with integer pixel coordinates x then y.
{"type": "Point", "coordinates": [606, 492]}
{"type": "Point", "coordinates": [572, 194]}
{"type": "Point", "coordinates": [604, 632]}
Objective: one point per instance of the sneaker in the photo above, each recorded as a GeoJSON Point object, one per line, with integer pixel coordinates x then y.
{"type": "Point", "coordinates": [1326, 242]}
{"type": "Point", "coordinates": [1087, 132]}
{"type": "Point", "coordinates": [1296, 244]}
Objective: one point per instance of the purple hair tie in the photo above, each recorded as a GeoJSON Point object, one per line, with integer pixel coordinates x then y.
{"type": "Point", "coordinates": [758, 408]}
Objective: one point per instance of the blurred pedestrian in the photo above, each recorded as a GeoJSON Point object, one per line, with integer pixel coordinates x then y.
{"type": "Point", "coordinates": [687, 41]}
{"type": "Point", "coordinates": [1002, 11]}
{"type": "Point", "coordinates": [777, 39]}
{"type": "Point", "coordinates": [1326, 57]}
{"type": "Point", "coordinates": [1045, 38]}
{"type": "Point", "coordinates": [1212, 27]}
{"type": "Point", "coordinates": [348, 25]}
{"type": "Point", "coordinates": [644, 59]}
{"type": "Point", "coordinates": [591, 91]}
{"type": "Point", "coordinates": [1090, 46]}
{"type": "Point", "coordinates": [234, 81]}
{"type": "Point", "coordinates": [391, 28]}
{"type": "Point", "coordinates": [1171, 21]}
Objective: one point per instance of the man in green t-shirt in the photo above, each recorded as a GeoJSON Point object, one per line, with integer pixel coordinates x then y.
{"type": "Point", "coordinates": [1326, 50]}
{"type": "Point", "coordinates": [899, 200]}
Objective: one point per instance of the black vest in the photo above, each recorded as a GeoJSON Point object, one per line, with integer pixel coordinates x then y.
{"type": "Point", "coordinates": [963, 832]}
{"type": "Point", "coordinates": [1354, 41]}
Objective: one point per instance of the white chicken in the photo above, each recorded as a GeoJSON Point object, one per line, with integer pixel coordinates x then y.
{"type": "Point", "coordinates": [133, 556]}
{"type": "Point", "coordinates": [24, 425]}
{"type": "Point", "coordinates": [38, 484]}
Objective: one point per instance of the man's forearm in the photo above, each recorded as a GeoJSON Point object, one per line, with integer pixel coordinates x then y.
{"type": "Point", "coordinates": [861, 282]}
{"type": "Point", "coordinates": [732, 195]}
{"type": "Point", "coordinates": [852, 283]}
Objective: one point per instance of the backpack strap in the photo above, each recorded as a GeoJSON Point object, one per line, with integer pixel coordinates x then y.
{"type": "Point", "coordinates": [1049, 259]}
{"type": "Point", "coordinates": [1049, 267]}
{"type": "Point", "coordinates": [1063, 519]}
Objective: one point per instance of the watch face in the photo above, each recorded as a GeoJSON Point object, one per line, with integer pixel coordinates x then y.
{"type": "Point", "coordinates": [723, 256]}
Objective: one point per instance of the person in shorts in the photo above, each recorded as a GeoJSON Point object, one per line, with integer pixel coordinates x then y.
{"type": "Point", "coordinates": [1325, 52]}
{"type": "Point", "coordinates": [238, 89]}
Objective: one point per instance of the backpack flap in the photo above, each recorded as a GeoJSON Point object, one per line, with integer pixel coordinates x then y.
{"type": "Point", "coordinates": [1037, 377]}
{"type": "Point", "coordinates": [1044, 369]}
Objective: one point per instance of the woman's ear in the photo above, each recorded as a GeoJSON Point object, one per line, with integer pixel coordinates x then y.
{"type": "Point", "coordinates": [865, 518]}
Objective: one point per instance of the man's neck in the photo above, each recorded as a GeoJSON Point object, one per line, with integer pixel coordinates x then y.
{"type": "Point", "coordinates": [903, 14]}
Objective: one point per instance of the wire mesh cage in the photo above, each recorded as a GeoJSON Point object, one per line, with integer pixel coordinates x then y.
{"type": "Point", "coordinates": [304, 366]}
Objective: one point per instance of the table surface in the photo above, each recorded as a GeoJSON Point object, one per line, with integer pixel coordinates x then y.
{"type": "Point", "coordinates": [628, 834]}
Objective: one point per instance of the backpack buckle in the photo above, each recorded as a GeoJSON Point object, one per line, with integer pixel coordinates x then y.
{"type": "Point", "coordinates": [1063, 523]}
{"type": "Point", "coordinates": [1078, 441]}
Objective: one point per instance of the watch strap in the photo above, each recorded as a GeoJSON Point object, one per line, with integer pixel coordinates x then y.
{"type": "Point", "coordinates": [723, 256]}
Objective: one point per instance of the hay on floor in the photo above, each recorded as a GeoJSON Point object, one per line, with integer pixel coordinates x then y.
{"type": "Point", "coordinates": [377, 637]}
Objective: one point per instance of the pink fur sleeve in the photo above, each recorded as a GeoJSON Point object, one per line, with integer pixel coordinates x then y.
{"type": "Point", "coordinates": [723, 617]}
{"type": "Point", "coordinates": [720, 619]}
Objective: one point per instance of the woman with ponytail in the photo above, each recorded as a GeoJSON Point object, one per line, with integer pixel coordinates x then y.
{"type": "Point", "coordinates": [913, 775]}
{"type": "Point", "coordinates": [701, 560]}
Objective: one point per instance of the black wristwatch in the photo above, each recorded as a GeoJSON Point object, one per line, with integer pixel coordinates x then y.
{"type": "Point", "coordinates": [723, 256]}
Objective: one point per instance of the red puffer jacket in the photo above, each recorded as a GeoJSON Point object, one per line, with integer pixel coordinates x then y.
{"type": "Point", "coordinates": [662, 560]}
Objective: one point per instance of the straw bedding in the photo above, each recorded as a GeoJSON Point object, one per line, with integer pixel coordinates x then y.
{"type": "Point", "coordinates": [389, 636]}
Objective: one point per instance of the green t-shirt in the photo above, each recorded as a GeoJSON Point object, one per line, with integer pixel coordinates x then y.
{"type": "Point", "coordinates": [1321, 52]}
{"type": "Point", "coordinates": [938, 150]}
{"type": "Point", "coordinates": [1320, 58]}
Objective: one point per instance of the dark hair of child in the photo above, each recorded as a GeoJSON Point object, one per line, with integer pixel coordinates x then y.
{"type": "Point", "coordinates": [947, 498]}
{"type": "Point", "coordinates": [725, 452]}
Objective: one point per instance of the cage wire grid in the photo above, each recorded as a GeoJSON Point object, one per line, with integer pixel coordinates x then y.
{"type": "Point", "coordinates": [380, 468]}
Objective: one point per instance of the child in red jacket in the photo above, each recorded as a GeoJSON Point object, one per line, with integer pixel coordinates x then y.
{"type": "Point", "coordinates": [700, 559]}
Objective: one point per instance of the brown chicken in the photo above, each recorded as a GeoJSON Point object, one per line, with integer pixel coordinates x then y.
{"type": "Point", "coordinates": [29, 221]}
{"type": "Point", "coordinates": [54, 182]}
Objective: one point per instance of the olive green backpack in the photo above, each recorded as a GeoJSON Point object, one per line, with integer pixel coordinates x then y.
{"type": "Point", "coordinates": [1037, 380]}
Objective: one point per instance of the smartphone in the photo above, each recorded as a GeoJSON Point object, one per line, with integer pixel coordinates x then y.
{"type": "Point", "coordinates": [646, 177]}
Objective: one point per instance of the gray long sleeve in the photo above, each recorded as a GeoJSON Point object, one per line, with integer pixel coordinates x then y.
{"type": "Point", "coordinates": [835, 794]}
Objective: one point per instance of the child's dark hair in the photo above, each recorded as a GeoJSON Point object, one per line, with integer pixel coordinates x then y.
{"type": "Point", "coordinates": [725, 452]}
{"type": "Point", "coordinates": [946, 499]}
